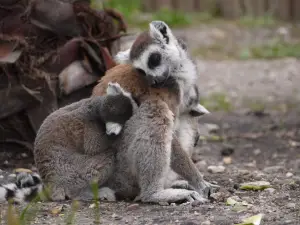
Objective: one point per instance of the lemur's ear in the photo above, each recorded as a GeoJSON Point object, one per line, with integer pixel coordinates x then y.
{"type": "Point", "coordinates": [199, 110]}
{"type": "Point", "coordinates": [123, 57]}
{"type": "Point", "coordinates": [159, 30]}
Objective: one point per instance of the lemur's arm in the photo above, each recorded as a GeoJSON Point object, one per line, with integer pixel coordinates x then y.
{"type": "Point", "coordinates": [182, 164]}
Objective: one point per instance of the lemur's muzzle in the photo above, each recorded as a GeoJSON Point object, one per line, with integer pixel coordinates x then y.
{"type": "Point", "coordinates": [155, 80]}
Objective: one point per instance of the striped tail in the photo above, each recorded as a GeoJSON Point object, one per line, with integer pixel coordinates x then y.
{"type": "Point", "coordinates": [26, 187]}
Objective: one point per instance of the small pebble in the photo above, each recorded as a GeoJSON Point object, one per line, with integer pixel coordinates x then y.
{"type": "Point", "coordinates": [173, 204]}
{"type": "Point", "coordinates": [163, 203]}
{"type": "Point", "coordinates": [227, 160]}
{"type": "Point", "coordinates": [12, 175]}
{"type": "Point", "coordinates": [270, 190]}
{"type": "Point", "coordinates": [291, 205]}
{"type": "Point", "coordinates": [201, 165]}
{"type": "Point", "coordinates": [196, 203]}
{"type": "Point", "coordinates": [1, 177]}
{"type": "Point", "coordinates": [206, 223]}
{"type": "Point", "coordinates": [133, 207]}
{"type": "Point", "coordinates": [212, 127]}
{"type": "Point", "coordinates": [257, 151]}
{"type": "Point", "coordinates": [273, 169]}
{"type": "Point", "coordinates": [216, 169]}
{"type": "Point", "coordinates": [289, 174]}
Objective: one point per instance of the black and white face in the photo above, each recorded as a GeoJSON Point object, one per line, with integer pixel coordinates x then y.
{"type": "Point", "coordinates": [161, 57]}
{"type": "Point", "coordinates": [157, 54]}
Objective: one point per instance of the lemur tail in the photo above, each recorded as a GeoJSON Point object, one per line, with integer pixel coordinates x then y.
{"type": "Point", "coordinates": [26, 187]}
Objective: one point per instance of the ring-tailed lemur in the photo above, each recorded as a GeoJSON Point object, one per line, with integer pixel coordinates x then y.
{"type": "Point", "coordinates": [147, 148]}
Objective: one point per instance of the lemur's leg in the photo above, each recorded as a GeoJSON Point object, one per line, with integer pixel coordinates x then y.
{"type": "Point", "coordinates": [184, 166]}
{"type": "Point", "coordinates": [71, 175]}
{"type": "Point", "coordinates": [147, 139]}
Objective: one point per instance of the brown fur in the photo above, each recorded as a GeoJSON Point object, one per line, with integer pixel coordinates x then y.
{"type": "Point", "coordinates": [133, 82]}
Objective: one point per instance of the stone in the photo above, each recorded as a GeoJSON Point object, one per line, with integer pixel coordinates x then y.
{"type": "Point", "coordinates": [133, 207]}
{"type": "Point", "coordinates": [270, 190]}
{"type": "Point", "coordinates": [206, 222]}
{"type": "Point", "coordinates": [163, 203]}
{"type": "Point", "coordinates": [273, 169]}
{"type": "Point", "coordinates": [1, 177]}
{"type": "Point", "coordinates": [289, 174]}
{"type": "Point", "coordinates": [212, 127]}
{"type": "Point", "coordinates": [196, 203]}
{"type": "Point", "coordinates": [291, 205]}
{"type": "Point", "coordinates": [257, 151]}
{"type": "Point", "coordinates": [202, 165]}
{"type": "Point", "coordinates": [227, 160]}
{"type": "Point", "coordinates": [216, 169]}
{"type": "Point", "coordinates": [12, 175]}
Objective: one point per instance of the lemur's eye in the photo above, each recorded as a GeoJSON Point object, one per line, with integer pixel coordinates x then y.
{"type": "Point", "coordinates": [154, 60]}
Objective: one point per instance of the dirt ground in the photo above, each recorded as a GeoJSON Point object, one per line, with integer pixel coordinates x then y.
{"type": "Point", "coordinates": [257, 139]}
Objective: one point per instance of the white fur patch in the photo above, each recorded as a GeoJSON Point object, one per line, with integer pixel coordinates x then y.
{"type": "Point", "coordinates": [107, 194]}
{"type": "Point", "coordinates": [113, 128]}
{"type": "Point", "coordinates": [122, 57]}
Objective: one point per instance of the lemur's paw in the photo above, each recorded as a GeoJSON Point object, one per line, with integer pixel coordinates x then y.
{"type": "Point", "coordinates": [173, 196]}
{"type": "Point", "coordinates": [181, 184]}
{"type": "Point", "coordinates": [113, 128]}
{"type": "Point", "coordinates": [107, 194]}
{"type": "Point", "coordinates": [207, 188]}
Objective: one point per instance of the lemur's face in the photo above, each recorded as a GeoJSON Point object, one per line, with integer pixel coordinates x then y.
{"type": "Point", "coordinates": [156, 54]}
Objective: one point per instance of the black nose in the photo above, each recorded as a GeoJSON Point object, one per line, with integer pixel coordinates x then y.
{"type": "Point", "coordinates": [141, 72]}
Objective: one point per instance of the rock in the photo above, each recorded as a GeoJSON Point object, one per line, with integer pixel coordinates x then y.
{"type": "Point", "coordinates": [133, 207]}
{"type": "Point", "coordinates": [273, 169]}
{"type": "Point", "coordinates": [289, 174]}
{"type": "Point", "coordinates": [257, 185]}
{"type": "Point", "coordinates": [257, 151]}
{"type": "Point", "coordinates": [116, 217]}
{"type": "Point", "coordinates": [12, 175]}
{"type": "Point", "coordinates": [206, 222]}
{"type": "Point", "coordinates": [1, 177]}
{"type": "Point", "coordinates": [270, 190]}
{"type": "Point", "coordinates": [243, 172]}
{"type": "Point", "coordinates": [211, 127]}
{"type": "Point", "coordinates": [163, 203]}
{"type": "Point", "coordinates": [216, 169]}
{"type": "Point", "coordinates": [173, 204]}
{"type": "Point", "coordinates": [202, 165]}
{"type": "Point", "coordinates": [227, 150]}
{"type": "Point", "coordinates": [91, 206]}
{"type": "Point", "coordinates": [196, 203]}
{"type": "Point", "coordinates": [291, 205]}
{"type": "Point", "coordinates": [227, 160]}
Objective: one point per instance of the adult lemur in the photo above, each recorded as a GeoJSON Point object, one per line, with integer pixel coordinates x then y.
{"type": "Point", "coordinates": [148, 147]}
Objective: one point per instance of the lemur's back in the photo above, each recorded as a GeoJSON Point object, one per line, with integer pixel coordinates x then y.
{"type": "Point", "coordinates": [130, 80]}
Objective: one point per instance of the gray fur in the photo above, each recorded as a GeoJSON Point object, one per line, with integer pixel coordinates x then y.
{"type": "Point", "coordinates": [148, 148]}
{"type": "Point", "coordinates": [71, 147]}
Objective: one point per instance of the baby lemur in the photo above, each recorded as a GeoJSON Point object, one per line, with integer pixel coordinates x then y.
{"type": "Point", "coordinates": [148, 148]}
{"type": "Point", "coordinates": [72, 146]}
